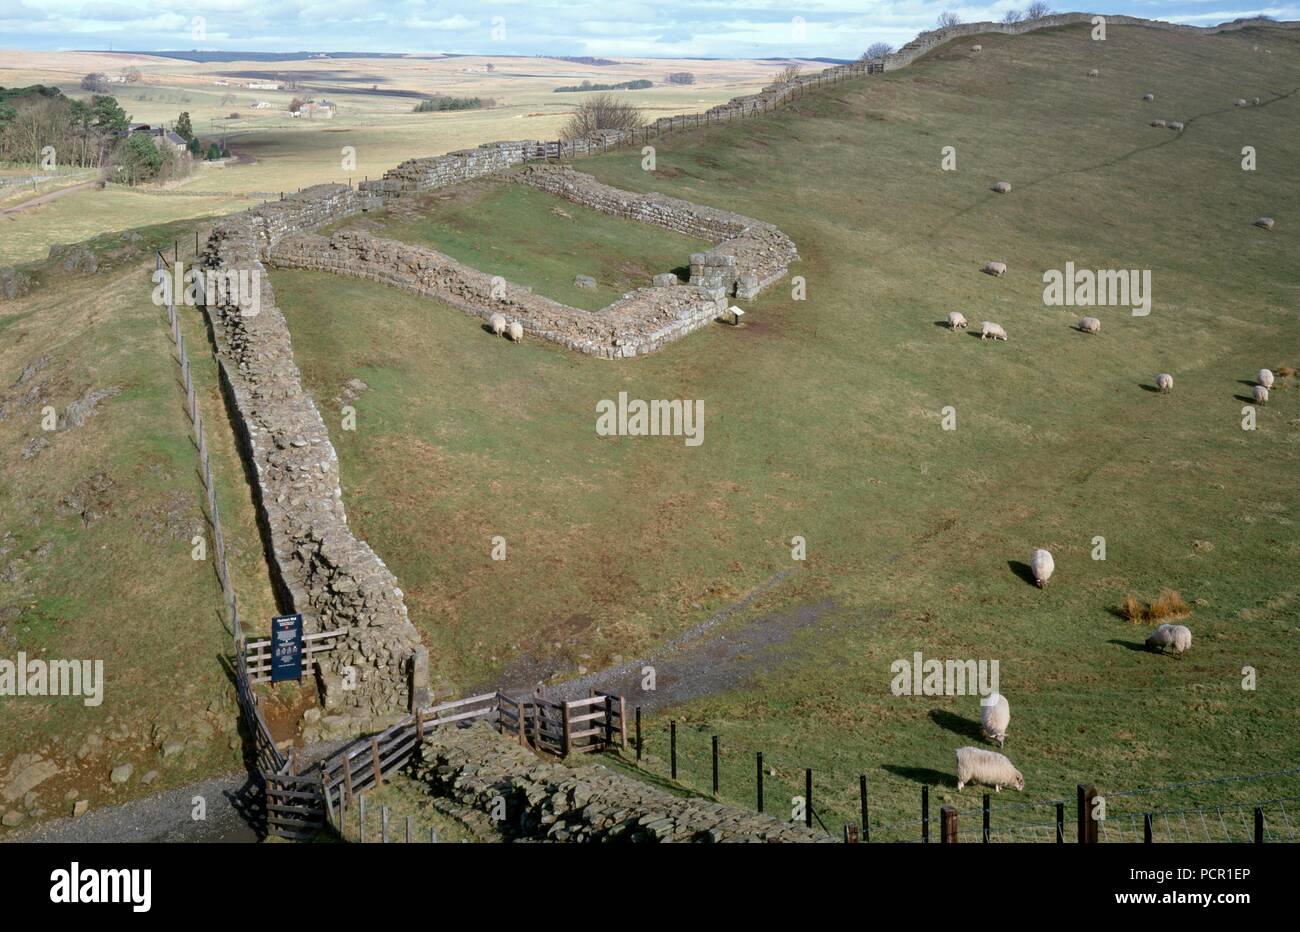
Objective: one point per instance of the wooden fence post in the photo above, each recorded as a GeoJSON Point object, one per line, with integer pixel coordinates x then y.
{"type": "Point", "coordinates": [1087, 825]}
{"type": "Point", "coordinates": [361, 819]}
{"type": "Point", "coordinates": [759, 782]}
{"type": "Point", "coordinates": [383, 825]}
{"type": "Point", "coordinates": [609, 721]}
{"type": "Point", "coordinates": [672, 747]}
{"type": "Point", "coordinates": [1146, 828]}
{"type": "Point", "coordinates": [564, 748]}
{"type": "Point", "coordinates": [1259, 825]}
{"type": "Point", "coordinates": [374, 761]}
{"type": "Point", "coordinates": [862, 794]}
{"type": "Point", "coordinates": [925, 814]}
{"type": "Point", "coordinates": [347, 777]}
{"type": "Point", "coordinates": [715, 765]}
{"type": "Point", "coordinates": [807, 798]}
{"type": "Point", "coordinates": [986, 818]}
{"type": "Point", "coordinates": [1060, 823]}
{"type": "Point", "coordinates": [519, 711]}
{"type": "Point", "coordinates": [638, 733]}
{"type": "Point", "coordinates": [622, 723]}
{"type": "Point", "coordinates": [948, 825]}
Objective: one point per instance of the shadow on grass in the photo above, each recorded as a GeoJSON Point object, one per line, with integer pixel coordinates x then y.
{"type": "Point", "coordinates": [1248, 399]}
{"type": "Point", "coordinates": [957, 724]}
{"type": "Point", "coordinates": [1139, 646]}
{"type": "Point", "coordinates": [927, 775]}
{"type": "Point", "coordinates": [1024, 571]}
{"type": "Point", "coordinates": [1150, 388]}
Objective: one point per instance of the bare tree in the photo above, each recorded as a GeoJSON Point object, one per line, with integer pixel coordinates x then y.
{"type": "Point", "coordinates": [1037, 10]}
{"type": "Point", "coordinates": [788, 74]}
{"type": "Point", "coordinates": [681, 77]}
{"type": "Point", "coordinates": [877, 50]}
{"type": "Point", "coordinates": [601, 111]}
{"type": "Point", "coordinates": [1013, 16]}
{"type": "Point", "coordinates": [948, 19]}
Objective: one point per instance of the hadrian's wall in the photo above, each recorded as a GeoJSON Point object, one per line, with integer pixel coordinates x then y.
{"type": "Point", "coordinates": [639, 323]}
{"type": "Point", "coordinates": [477, 768]}
{"type": "Point", "coordinates": [321, 568]}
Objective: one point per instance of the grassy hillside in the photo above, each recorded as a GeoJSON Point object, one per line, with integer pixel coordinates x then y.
{"type": "Point", "coordinates": [95, 539]}
{"type": "Point", "coordinates": [823, 420]}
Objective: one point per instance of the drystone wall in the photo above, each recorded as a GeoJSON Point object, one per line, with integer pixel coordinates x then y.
{"type": "Point", "coordinates": [638, 323]}
{"type": "Point", "coordinates": [322, 569]}
{"type": "Point", "coordinates": [476, 766]}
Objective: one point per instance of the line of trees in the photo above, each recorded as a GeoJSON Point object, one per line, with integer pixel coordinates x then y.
{"type": "Point", "coordinates": [441, 103]}
{"type": "Point", "coordinates": [638, 85]}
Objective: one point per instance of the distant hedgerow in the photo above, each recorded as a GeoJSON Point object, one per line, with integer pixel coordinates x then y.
{"type": "Point", "coordinates": [441, 103]}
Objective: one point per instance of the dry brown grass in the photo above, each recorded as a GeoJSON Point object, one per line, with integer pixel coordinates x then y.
{"type": "Point", "coordinates": [1285, 372]}
{"type": "Point", "coordinates": [1169, 605]}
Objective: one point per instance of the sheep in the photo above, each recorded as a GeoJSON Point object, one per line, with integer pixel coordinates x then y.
{"type": "Point", "coordinates": [1176, 126]}
{"type": "Point", "coordinates": [977, 48]}
{"type": "Point", "coordinates": [1264, 223]}
{"type": "Point", "coordinates": [516, 331]}
{"type": "Point", "coordinates": [1148, 98]}
{"type": "Point", "coordinates": [1261, 394]}
{"type": "Point", "coordinates": [956, 320]}
{"type": "Point", "coordinates": [1160, 123]}
{"type": "Point", "coordinates": [498, 324]}
{"type": "Point", "coordinates": [1002, 187]}
{"type": "Point", "coordinates": [1173, 637]}
{"type": "Point", "coordinates": [995, 268]}
{"type": "Point", "coordinates": [1240, 102]}
{"type": "Point", "coordinates": [995, 716]}
{"type": "Point", "coordinates": [976, 765]}
{"type": "Point", "coordinates": [990, 329]}
{"type": "Point", "coordinates": [1164, 382]}
{"type": "Point", "coordinates": [1043, 565]}
{"type": "Point", "coordinates": [1093, 72]}
{"type": "Point", "coordinates": [1090, 325]}
{"type": "Point", "coordinates": [1256, 101]}
{"type": "Point", "coordinates": [1265, 378]}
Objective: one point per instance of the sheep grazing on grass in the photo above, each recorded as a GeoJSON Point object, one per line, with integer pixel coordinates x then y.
{"type": "Point", "coordinates": [1175, 638]}
{"type": "Point", "coordinates": [995, 716]}
{"type": "Point", "coordinates": [1160, 123]}
{"type": "Point", "coordinates": [1002, 187]}
{"type": "Point", "coordinates": [516, 331]}
{"type": "Point", "coordinates": [977, 48]}
{"type": "Point", "coordinates": [1256, 101]}
{"type": "Point", "coordinates": [1093, 72]}
{"type": "Point", "coordinates": [498, 324]}
{"type": "Point", "coordinates": [956, 320]}
{"type": "Point", "coordinates": [1265, 378]}
{"type": "Point", "coordinates": [990, 329]}
{"type": "Point", "coordinates": [976, 765]}
{"type": "Point", "coordinates": [1090, 325]}
{"type": "Point", "coordinates": [1164, 382]}
{"type": "Point", "coordinates": [995, 268]}
{"type": "Point", "coordinates": [1176, 126]}
{"type": "Point", "coordinates": [1148, 98]}
{"type": "Point", "coordinates": [1260, 394]}
{"type": "Point", "coordinates": [1043, 566]}
{"type": "Point", "coordinates": [1264, 223]}
{"type": "Point", "coordinates": [1241, 102]}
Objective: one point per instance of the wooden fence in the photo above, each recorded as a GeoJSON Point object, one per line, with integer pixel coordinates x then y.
{"type": "Point", "coordinates": [257, 654]}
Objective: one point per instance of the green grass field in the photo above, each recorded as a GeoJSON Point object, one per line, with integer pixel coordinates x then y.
{"type": "Point", "coordinates": [540, 241]}
{"type": "Point", "coordinates": [823, 420]}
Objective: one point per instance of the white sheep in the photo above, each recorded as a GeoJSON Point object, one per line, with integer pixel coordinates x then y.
{"type": "Point", "coordinates": [1176, 126]}
{"type": "Point", "coordinates": [1043, 566]}
{"type": "Point", "coordinates": [1002, 187]}
{"type": "Point", "coordinates": [977, 48]}
{"type": "Point", "coordinates": [1093, 72]}
{"type": "Point", "coordinates": [498, 324]}
{"type": "Point", "coordinates": [990, 329]}
{"type": "Point", "coordinates": [976, 765]}
{"type": "Point", "coordinates": [1265, 378]}
{"type": "Point", "coordinates": [516, 331]}
{"type": "Point", "coordinates": [1160, 123]}
{"type": "Point", "coordinates": [1090, 325]}
{"type": "Point", "coordinates": [1264, 223]}
{"type": "Point", "coordinates": [1241, 102]}
{"type": "Point", "coordinates": [995, 268]}
{"type": "Point", "coordinates": [1261, 394]}
{"type": "Point", "coordinates": [956, 320]}
{"type": "Point", "coordinates": [995, 716]}
{"type": "Point", "coordinates": [1148, 98]}
{"type": "Point", "coordinates": [1164, 382]}
{"type": "Point", "coordinates": [1172, 637]}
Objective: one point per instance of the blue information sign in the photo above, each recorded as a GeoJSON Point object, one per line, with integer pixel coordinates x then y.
{"type": "Point", "coordinates": [286, 648]}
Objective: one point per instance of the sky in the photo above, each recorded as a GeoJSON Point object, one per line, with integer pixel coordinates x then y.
{"type": "Point", "coordinates": [650, 28]}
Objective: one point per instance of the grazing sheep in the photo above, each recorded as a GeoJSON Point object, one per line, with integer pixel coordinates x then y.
{"type": "Point", "coordinates": [990, 329]}
{"type": "Point", "coordinates": [1176, 126]}
{"type": "Point", "coordinates": [1164, 382]}
{"type": "Point", "coordinates": [977, 48]}
{"type": "Point", "coordinates": [995, 716]}
{"type": "Point", "coordinates": [1241, 102]}
{"type": "Point", "coordinates": [1043, 565]}
{"type": "Point", "coordinates": [1172, 637]}
{"type": "Point", "coordinates": [498, 324]}
{"type": "Point", "coordinates": [956, 320]}
{"type": "Point", "coordinates": [1090, 325]}
{"type": "Point", "coordinates": [1148, 98]}
{"type": "Point", "coordinates": [996, 268]}
{"type": "Point", "coordinates": [976, 765]}
{"type": "Point", "coordinates": [1002, 187]}
{"type": "Point", "coordinates": [1160, 123]}
{"type": "Point", "coordinates": [1265, 378]}
{"type": "Point", "coordinates": [1264, 223]}
{"type": "Point", "coordinates": [516, 331]}
{"type": "Point", "coordinates": [1256, 101]}
{"type": "Point", "coordinates": [1261, 394]}
{"type": "Point", "coordinates": [1093, 72]}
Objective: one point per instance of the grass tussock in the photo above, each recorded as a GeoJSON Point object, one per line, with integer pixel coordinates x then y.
{"type": "Point", "coordinates": [1169, 605]}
